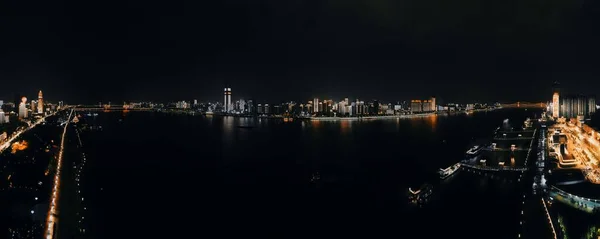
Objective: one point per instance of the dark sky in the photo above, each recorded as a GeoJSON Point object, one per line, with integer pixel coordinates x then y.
{"type": "Point", "coordinates": [488, 50]}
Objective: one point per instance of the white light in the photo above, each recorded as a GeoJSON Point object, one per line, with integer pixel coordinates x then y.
{"type": "Point", "coordinates": [36, 198]}
{"type": "Point", "coordinates": [32, 211]}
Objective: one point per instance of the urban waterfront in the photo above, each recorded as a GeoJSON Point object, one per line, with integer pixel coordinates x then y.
{"type": "Point", "coordinates": [150, 172]}
{"type": "Point", "coordinates": [300, 119]}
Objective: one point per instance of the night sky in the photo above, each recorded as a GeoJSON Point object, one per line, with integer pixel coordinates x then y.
{"type": "Point", "coordinates": [464, 50]}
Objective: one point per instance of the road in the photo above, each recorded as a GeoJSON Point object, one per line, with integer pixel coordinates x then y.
{"type": "Point", "coordinates": [18, 133]}
{"type": "Point", "coordinates": [536, 220]}
{"type": "Point", "coordinates": [53, 211]}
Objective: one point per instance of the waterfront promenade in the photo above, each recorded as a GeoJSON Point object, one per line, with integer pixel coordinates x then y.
{"type": "Point", "coordinates": [588, 205]}
{"type": "Point", "coordinates": [52, 219]}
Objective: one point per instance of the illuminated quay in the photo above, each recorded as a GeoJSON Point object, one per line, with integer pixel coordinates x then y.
{"type": "Point", "coordinates": [509, 150]}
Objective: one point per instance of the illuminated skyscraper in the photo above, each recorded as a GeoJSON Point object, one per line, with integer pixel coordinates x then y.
{"type": "Point", "coordinates": [316, 105]}
{"type": "Point", "coordinates": [40, 106]}
{"type": "Point", "coordinates": [227, 100]}
{"type": "Point", "coordinates": [23, 108]}
{"type": "Point", "coordinates": [416, 106]}
{"type": "Point", "coordinates": [573, 106]}
{"type": "Point", "coordinates": [556, 100]}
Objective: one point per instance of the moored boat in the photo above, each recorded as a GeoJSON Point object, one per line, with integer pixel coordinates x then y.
{"type": "Point", "coordinates": [474, 151]}
{"type": "Point", "coordinates": [447, 172]}
{"type": "Point", "coordinates": [421, 195]}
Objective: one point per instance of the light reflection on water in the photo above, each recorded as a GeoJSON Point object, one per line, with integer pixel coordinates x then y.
{"type": "Point", "coordinates": [432, 120]}
{"type": "Point", "coordinates": [345, 126]}
{"type": "Point", "coordinates": [228, 130]}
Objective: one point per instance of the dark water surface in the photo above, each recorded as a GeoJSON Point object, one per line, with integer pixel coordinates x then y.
{"type": "Point", "coordinates": [177, 176]}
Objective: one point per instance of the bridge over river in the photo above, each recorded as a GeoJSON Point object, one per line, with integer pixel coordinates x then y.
{"type": "Point", "coordinates": [524, 104]}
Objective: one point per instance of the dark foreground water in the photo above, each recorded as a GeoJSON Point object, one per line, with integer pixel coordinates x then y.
{"type": "Point", "coordinates": [175, 176]}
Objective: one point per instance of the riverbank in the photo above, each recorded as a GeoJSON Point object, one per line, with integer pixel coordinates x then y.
{"type": "Point", "coordinates": [368, 117]}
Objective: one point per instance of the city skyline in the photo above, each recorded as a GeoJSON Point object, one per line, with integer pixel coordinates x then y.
{"type": "Point", "coordinates": [266, 98]}
{"type": "Point", "coordinates": [300, 118]}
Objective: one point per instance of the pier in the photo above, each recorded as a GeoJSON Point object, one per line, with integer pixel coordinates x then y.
{"type": "Point", "coordinates": [494, 169]}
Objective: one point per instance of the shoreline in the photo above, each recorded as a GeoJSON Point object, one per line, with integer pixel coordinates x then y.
{"type": "Point", "coordinates": [367, 117]}
{"type": "Point", "coordinates": [334, 118]}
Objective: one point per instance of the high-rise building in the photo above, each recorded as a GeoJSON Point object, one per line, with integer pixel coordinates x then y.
{"type": "Point", "coordinates": [572, 106]}
{"type": "Point", "coordinates": [556, 100]}
{"type": "Point", "coordinates": [227, 100]}
{"type": "Point", "coordinates": [376, 108]}
{"type": "Point", "coordinates": [260, 109]}
{"type": "Point", "coordinates": [416, 106]}
{"type": "Point", "coordinates": [23, 108]}
{"type": "Point", "coordinates": [361, 108]}
{"type": "Point", "coordinates": [426, 105]}
{"type": "Point", "coordinates": [250, 106]}
{"type": "Point", "coordinates": [33, 106]}
{"type": "Point", "coordinates": [240, 106]}
{"type": "Point", "coordinates": [316, 105]}
{"type": "Point", "coordinates": [592, 107]}
{"type": "Point", "coordinates": [2, 116]}
{"type": "Point", "coordinates": [40, 106]}
{"type": "Point", "coordinates": [341, 107]}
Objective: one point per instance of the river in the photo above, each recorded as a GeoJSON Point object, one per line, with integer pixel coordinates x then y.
{"type": "Point", "coordinates": [176, 176]}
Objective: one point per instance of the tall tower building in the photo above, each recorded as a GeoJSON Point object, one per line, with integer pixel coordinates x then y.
{"type": "Point", "coordinates": [40, 106]}
{"type": "Point", "coordinates": [433, 104]}
{"type": "Point", "coordinates": [556, 99]}
{"type": "Point", "coordinates": [227, 100]}
{"type": "Point", "coordinates": [316, 105]}
{"type": "Point", "coordinates": [23, 108]}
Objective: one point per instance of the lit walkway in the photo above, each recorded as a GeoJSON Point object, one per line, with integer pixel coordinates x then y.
{"type": "Point", "coordinates": [52, 219]}
{"type": "Point", "coordinates": [581, 203]}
